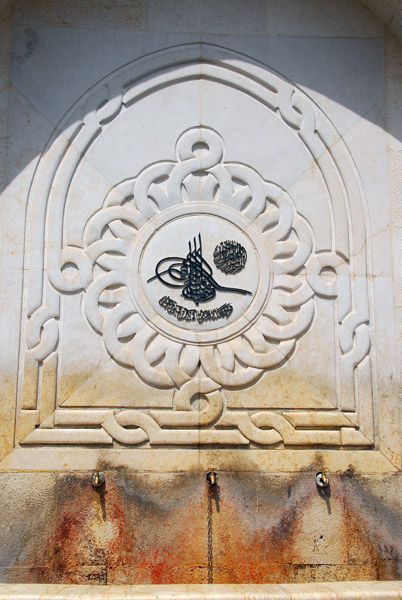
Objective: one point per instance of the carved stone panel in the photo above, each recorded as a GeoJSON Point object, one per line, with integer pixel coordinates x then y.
{"type": "Point", "coordinates": [196, 277]}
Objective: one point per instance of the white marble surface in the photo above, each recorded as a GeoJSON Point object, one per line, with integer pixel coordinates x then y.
{"type": "Point", "coordinates": [354, 590]}
{"type": "Point", "coordinates": [289, 150]}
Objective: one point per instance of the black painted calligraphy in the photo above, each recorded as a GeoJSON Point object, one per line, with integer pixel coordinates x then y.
{"type": "Point", "coordinates": [230, 257]}
{"type": "Point", "coordinates": [192, 274]}
{"type": "Point", "coordinates": [201, 316]}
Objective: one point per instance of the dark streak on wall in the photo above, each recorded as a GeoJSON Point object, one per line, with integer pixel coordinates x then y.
{"type": "Point", "coordinates": [152, 528]}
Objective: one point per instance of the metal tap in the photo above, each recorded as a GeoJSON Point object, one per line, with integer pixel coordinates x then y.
{"type": "Point", "coordinates": [322, 479]}
{"type": "Point", "coordinates": [97, 480]}
{"type": "Point", "coordinates": [211, 478]}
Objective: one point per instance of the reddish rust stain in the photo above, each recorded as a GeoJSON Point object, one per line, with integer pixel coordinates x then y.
{"type": "Point", "coordinates": [141, 538]}
{"type": "Point", "coordinates": [160, 536]}
{"type": "Point", "coordinates": [162, 573]}
{"type": "Point", "coordinates": [89, 531]}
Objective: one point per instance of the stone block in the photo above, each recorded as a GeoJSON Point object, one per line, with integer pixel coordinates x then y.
{"type": "Point", "coordinates": [234, 520]}
{"type": "Point", "coordinates": [89, 529]}
{"type": "Point", "coordinates": [224, 16]}
{"type": "Point", "coordinates": [384, 10]}
{"type": "Point", "coordinates": [168, 574]}
{"type": "Point", "coordinates": [165, 521]}
{"type": "Point", "coordinates": [309, 573]}
{"type": "Point", "coordinates": [248, 573]}
{"type": "Point", "coordinates": [28, 575]}
{"type": "Point", "coordinates": [328, 18]}
{"type": "Point", "coordinates": [300, 524]}
{"type": "Point", "coordinates": [85, 15]}
{"type": "Point", "coordinates": [374, 525]}
{"type": "Point", "coordinates": [28, 519]}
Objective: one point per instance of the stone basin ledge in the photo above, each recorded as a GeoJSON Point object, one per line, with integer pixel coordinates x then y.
{"type": "Point", "coordinates": [355, 590]}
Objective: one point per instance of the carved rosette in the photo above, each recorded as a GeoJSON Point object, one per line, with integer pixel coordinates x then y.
{"type": "Point", "coordinates": [200, 183]}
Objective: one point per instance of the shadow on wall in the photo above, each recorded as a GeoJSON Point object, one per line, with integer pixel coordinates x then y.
{"type": "Point", "coordinates": [53, 67]}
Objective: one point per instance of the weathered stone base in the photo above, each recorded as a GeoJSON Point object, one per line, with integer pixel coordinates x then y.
{"type": "Point", "coordinates": [151, 528]}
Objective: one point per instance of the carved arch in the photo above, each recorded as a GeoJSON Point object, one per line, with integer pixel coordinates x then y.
{"type": "Point", "coordinates": [48, 254]}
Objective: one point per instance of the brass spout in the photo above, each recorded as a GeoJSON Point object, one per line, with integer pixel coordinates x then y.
{"type": "Point", "coordinates": [97, 480]}
{"type": "Point", "coordinates": [211, 478]}
{"type": "Point", "coordinates": [322, 480]}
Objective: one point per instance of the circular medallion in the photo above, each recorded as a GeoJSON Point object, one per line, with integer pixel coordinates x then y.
{"type": "Point", "coordinates": [175, 281]}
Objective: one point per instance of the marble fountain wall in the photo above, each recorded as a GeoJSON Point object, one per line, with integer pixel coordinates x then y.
{"type": "Point", "coordinates": [201, 271]}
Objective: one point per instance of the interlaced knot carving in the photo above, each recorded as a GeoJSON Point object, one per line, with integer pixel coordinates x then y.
{"type": "Point", "coordinates": [95, 265]}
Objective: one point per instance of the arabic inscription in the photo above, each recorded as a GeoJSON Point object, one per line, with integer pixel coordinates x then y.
{"type": "Point", "coordinates": [193, 275]}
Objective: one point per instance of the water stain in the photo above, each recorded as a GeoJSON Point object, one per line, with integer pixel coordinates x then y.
{"type": "Point", "coordinates": [151, 528]}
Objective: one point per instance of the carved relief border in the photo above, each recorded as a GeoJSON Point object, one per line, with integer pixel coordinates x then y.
{"type": "Point", "coordinates": [42, 421]}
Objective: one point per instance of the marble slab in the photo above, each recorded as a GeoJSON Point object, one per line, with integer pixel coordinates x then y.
{"type": "Point", "coordinates": [198, 251]}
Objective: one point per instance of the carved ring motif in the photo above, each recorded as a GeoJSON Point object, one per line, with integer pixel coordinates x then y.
{"type": "Point", "coordinates": [135, 214]}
